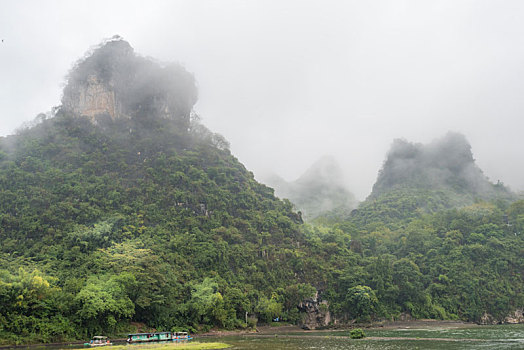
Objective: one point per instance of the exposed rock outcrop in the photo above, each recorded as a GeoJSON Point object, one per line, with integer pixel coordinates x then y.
{"type": "Point", "coordinates": [316, 311]}
{"type": "Point", "coordinates": [514, 317]}
{"type": "Point", "coordinates": [92, 99]}
{"type": "Point", "coordinates": [113, 81]}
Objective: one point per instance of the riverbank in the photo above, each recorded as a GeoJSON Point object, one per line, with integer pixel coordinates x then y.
{"type": "Point", "coordinates": [292, 329]}
{"type": "Point", "coordinates": [421, 324]}
{"type": "Point", "coordinates": [284, 329]}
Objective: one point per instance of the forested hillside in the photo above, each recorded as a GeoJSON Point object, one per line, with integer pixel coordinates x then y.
{"type": "Point", "coordinates": [108, 219]}
{"type": "Point", "coordinates": [167, 230]}
{"type": "Point", "coordinates": [435, 239]}
{"type": "Point", "coordinates": [454, 264]}
{"type": "Point", "coordinates": [122, 210]}
{"type": "Point", "coordinates": [417, 178]}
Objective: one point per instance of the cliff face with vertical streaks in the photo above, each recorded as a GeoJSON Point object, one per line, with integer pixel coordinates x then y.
{"type": "Point", "coordinates": [93, 99]}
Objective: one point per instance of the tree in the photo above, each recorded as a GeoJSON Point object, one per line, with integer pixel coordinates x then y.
{"type": "Point", "coordinates": [268, 309]}
{"type": "Point", "coordinates": [103, 302]}
{"type": "Point", "coordinates": [361, 302]}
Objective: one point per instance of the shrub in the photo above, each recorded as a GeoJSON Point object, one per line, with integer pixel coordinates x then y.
{"type": "Point", "coordinates": [357, 333]}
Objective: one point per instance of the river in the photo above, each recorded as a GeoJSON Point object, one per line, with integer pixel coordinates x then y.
{"type": "Point", "coordinates": [479, 337]}
{"type": "Point", "coordinates": [500, 337]}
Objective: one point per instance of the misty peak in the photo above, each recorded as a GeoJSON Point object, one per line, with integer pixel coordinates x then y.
{"type": "Point", "coordinates": [320, 191]}
{"type": "Point", "coordinates": [326, 169]}
{"type": "Point", "coordinates": [445, 163]}
{"type": "Point", "coordinates": [452, 152]}
{"type": "Point", "coordinates": [112, 80]}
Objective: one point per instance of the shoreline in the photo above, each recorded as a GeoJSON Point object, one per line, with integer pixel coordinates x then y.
{"type": "Point", "coordinates": [284, 329]}
{"type": "Point", "coordinates": [272, 330]}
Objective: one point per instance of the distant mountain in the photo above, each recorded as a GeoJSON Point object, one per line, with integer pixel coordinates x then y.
{"type": "Point", "coordinates": [438, 175]}
{"type": "Point", "coordinates": [319, 191]}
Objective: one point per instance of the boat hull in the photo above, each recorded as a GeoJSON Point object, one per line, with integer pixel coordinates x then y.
{"type": "Point", "coordinates": [89, 345]}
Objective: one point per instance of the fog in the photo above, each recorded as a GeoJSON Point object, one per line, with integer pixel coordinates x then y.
{"type": "Point", "coordinates": [287, 82]}
{"type": "Point", "coordinates": [442, 164]}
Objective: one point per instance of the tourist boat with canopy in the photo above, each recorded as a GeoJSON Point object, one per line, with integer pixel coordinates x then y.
{"type": "Point", "coordinates": [98, 340]}
{"type": "Point", "coordinates": [156, 337]}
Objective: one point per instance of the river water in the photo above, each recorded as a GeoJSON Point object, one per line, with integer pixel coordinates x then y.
{"type": "Point", "coordinates": [501, 337]}
{"type": "Point", "coordinates": [480, 337]}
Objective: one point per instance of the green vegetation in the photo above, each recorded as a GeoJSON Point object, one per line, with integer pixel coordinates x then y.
{"type": "Point", "coordinates": [357, 333]}
{"type": "Point", "coordinates": [454, 264]}
{"type": "Point", "coordinates": [149, 220]}
{"type": "Point", "coordinates": [435, 239]}
{"type": "Point", "coordinates": [101, 226]}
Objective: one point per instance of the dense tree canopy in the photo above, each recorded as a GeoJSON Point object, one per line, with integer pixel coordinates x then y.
{"type": "Point", "coordinates": [134, 221]}
{"type": "Point", "coordinates": [138, 221]}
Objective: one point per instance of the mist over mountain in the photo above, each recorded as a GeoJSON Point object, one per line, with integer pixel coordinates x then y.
{"type": "Point", "coordinates": [319, 191]}
{"type": "Point", "coordinates": [121, 210]}
{"type": "Point", "coordinates": [430, 177]}
{"type": "Point", "coordinates": [122, 207]}
{"type": "Point", "coordinates": [112, 80]}
{"type": "Point", "coordinates": [446, 163]}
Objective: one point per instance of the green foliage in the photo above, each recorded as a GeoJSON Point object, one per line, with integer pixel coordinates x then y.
{"type": "Point", "coordinates": [104, 301]}
{"type": "Point", "coordinates": [155, 225]}
{"type": "Point", "coordinates": [357, 333]}
{"type": "Point", "coordinates": [101, 227]}
{"type": "Point", "coordinates": [268, 309]}
{"type": "Point", "coordinates": [361, 302]}
{"type": "Point", "coordinates": [452, 264]}
{"type": "Point", "coordinates": [31, 305]}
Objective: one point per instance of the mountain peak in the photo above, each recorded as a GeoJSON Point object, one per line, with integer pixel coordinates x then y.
{"type": "Point", "coordinates": [320, 191]}
{"type": "Point", "coordinates": [112, 80]}
{"type": "Point", "coordinates": [326, 169]}
{"type": "Point", "coordinates": [445, 163]}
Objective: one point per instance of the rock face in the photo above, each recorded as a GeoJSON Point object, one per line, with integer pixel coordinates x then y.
{"type": "Point", "coordinates": [93, 99]}
{"type": "Point", "coordinates": [316, 313]}
{"type": "Point", "coordinates": [514, 317]}
{"type": "Point", "coordinates": [113, 81]}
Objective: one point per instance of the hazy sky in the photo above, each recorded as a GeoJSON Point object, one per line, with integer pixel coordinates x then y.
{"type": "Point", "coordinates": [289, 81]}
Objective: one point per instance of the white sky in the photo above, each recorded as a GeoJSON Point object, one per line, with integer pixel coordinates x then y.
{"type": "Point", "coordinates": [289, 81]}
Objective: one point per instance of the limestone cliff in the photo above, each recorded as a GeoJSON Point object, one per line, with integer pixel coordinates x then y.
{"type": "Point", "coordinates": [515, 317]}
{"type": "Point", "coordinates": [92, 99]}
{"type": "Point", "coordinates": [113, 81]}
{"type": "Point", "coordinates": [316, 313]}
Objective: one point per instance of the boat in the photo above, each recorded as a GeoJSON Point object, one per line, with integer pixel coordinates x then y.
{"type": "Point", "coordinates": [177, 336]}
{"type": "Point", "coordinates": [159, 336]}
{"type": "Point", "coordinates": [98, 340]}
